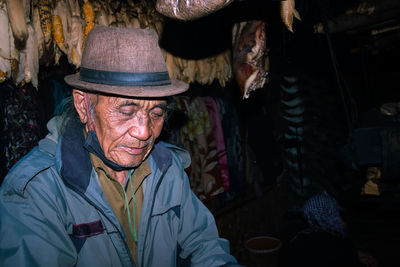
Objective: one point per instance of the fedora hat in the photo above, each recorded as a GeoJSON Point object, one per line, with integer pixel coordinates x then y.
{"type": "Point", "coordinates": [125, 62]}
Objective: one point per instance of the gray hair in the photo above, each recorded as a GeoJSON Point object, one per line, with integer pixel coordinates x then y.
{"type": "Point", "coordinates": [66, 110]}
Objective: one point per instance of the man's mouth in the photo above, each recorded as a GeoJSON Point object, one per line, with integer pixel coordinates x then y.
{"type": "Point", "coordinates": [134, 150]}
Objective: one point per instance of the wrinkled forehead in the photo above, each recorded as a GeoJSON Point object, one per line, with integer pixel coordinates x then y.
{"type": "Point", "coordinates": [112, 100]}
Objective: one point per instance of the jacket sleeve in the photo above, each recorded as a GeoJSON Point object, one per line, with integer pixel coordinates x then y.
{"type": "Point", "coordinates": [31, 228]}
{"type": "Point", "coordinates": [198, 234]}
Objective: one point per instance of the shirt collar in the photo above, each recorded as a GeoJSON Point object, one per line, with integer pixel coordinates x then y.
{"type": "Point", "coordinates": [139, 174]}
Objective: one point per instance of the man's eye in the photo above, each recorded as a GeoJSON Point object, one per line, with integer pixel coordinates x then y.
{"type": "Point", "coordinates": [157, 113]}
{"type": "Point", "coordinates": [127, 111]}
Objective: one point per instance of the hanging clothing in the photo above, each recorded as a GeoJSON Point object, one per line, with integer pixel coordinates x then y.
{"type": "Point", "coordinates": [197, 137]}
{"type": "Point", "coordinates": [216, 126]}
{"type": "Point", "coordinates": [19, 108]}
{"type": "Point", "coordinates": [233, 143]}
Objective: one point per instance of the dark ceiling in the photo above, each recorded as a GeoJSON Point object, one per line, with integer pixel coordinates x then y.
{"type": "Point", "coordinates": [364, 38]}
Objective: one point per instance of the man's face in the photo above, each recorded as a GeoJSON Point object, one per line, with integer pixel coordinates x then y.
{"type": "Point", "coordinates": [127, 127]}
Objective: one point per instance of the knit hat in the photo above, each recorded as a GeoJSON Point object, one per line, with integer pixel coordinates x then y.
{"type": "Point", "coordinates": [322, 212]}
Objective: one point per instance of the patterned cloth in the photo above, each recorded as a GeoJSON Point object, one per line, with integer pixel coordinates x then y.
{"type": "Point", "coordinates": [232, 138]}
{"type": "Point", "coordinates": [20, 115]}
{"type": "Point", "coordinates": [197, 137]}
{"type": "Point", "coordinates": [322, 212]}
{"type": "Point", "coordinates": [219, 138]}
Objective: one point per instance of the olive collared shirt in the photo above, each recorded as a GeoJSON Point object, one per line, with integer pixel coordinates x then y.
{"type": "Point", "coordinates": [115, 196]}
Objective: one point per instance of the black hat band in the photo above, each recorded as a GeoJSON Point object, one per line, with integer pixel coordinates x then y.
{"type": "Point", "coordinates": [124, 78]}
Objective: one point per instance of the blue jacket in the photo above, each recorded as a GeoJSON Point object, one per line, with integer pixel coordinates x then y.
{"type": "Point", "coordinates": [53, 212]}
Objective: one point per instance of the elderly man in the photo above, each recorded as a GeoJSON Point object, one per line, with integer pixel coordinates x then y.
{"type": "Point", "coordinates": [99, 190]}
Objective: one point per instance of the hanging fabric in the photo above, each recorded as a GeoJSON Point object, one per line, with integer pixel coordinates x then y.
{"type": "Point", "coordinates": [216, 126]}
{"type": "Point", "coordinates": [20, 115]}
{"type": "Point", "coordinates": [197, 137]}
{"type": "Point", "coordinates": [230, 128]}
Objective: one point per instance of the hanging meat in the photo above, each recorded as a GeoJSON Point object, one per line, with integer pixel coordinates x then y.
{"type": "Point", "coordinates": [250, 62]}
{"type": "Point", "coordinates": [189, 9]}
{"type": "Point", "coordinates": [288, 11]}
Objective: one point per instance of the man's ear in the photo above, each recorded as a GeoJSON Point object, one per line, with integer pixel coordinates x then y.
{"type": "Point", "coordinates": [80, 105]}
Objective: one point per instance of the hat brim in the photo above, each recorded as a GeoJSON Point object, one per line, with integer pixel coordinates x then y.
{"type": "Point", "coordinates": [176, 87]}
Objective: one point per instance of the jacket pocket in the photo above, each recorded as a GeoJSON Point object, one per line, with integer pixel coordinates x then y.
{"type": "Point", "coordinates": [84, 230]}
{"type": "Point", "coordinates": [87, 229]}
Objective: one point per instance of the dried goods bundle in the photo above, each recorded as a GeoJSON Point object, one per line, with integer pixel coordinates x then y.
{"type": "Point", "coordinates": [189, 9]}
{"type": "Point", "coordinates": [288, 11]}
{"type": "Point", "coordinates": [250, 61]}
{"type": "Point", "coordinates": [44, 30]}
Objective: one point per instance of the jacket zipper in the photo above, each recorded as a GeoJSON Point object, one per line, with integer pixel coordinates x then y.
{"type": "Point", "coordinates": [151, 211]}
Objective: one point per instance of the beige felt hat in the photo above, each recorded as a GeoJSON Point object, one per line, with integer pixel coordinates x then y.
{"type": "Point", "coordinates": [126, 62]}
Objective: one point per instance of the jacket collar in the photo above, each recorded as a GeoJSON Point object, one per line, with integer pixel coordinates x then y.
{"type": "Point", "coordinates": [75, 162]}
{"type": "Point", "coordinates": [75, 166]}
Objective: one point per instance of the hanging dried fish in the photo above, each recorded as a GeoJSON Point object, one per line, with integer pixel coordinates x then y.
{"type": "Point", "coordinates": [190, 71]}
{"type": "Point", "coordinates": [31, 54]}
{"type": "Point", "coordinates": [38, 31]}
{"type": "Point", "coordinates": [173, 69]}
{"type": "Point", "coordinates": [135, 23]}
{"type": "Point", "coordinates": [124, 15]}
{"type": "Point", "coordinates": [102, 17]}
{"type": "Point", "coordinates": [3, 70]}
{"type": "Point", "coordinates": [75, 40]}
{"type": "Point", "coordinates": [62, 30]}
{"type": "Point", "coordinates": [74, 6]}
{"type": "Point", "coordinates": [168, 62]}
{"type": "Point", "coordinates": [202, 73]}
{"type": "Point", "coordinates": [18, 71]}
{"type": "Point", "coordinates": [224, 67]}
{"type": "Point", "coordinates": [14, 53]}
{"type": "Point", "coordinates": [159, 26]}
{"type": "Point", "coordinates": [249, 52]}
{"type": "Point", "coordinates": [227, 74]}
{"type": "Point", "coordinates": [180, 63]}
{"type": "Point", "coordinates": [219, 61]}
{"type": "Point", "coordinates": [109, 12]}
{"type": "Point", "coordinates": [288, 11]}
{"type": "Point", "coordinates": [26, 4]}
{"type": "Point", "coordinates": [16, 16]}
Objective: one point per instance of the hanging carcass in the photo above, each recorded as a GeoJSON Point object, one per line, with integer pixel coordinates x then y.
{"type": "Point", "coordinates": [250, 60]}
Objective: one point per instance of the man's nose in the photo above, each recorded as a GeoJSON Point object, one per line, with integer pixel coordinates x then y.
{"type": "Point", "coordinates": [141, 128]}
